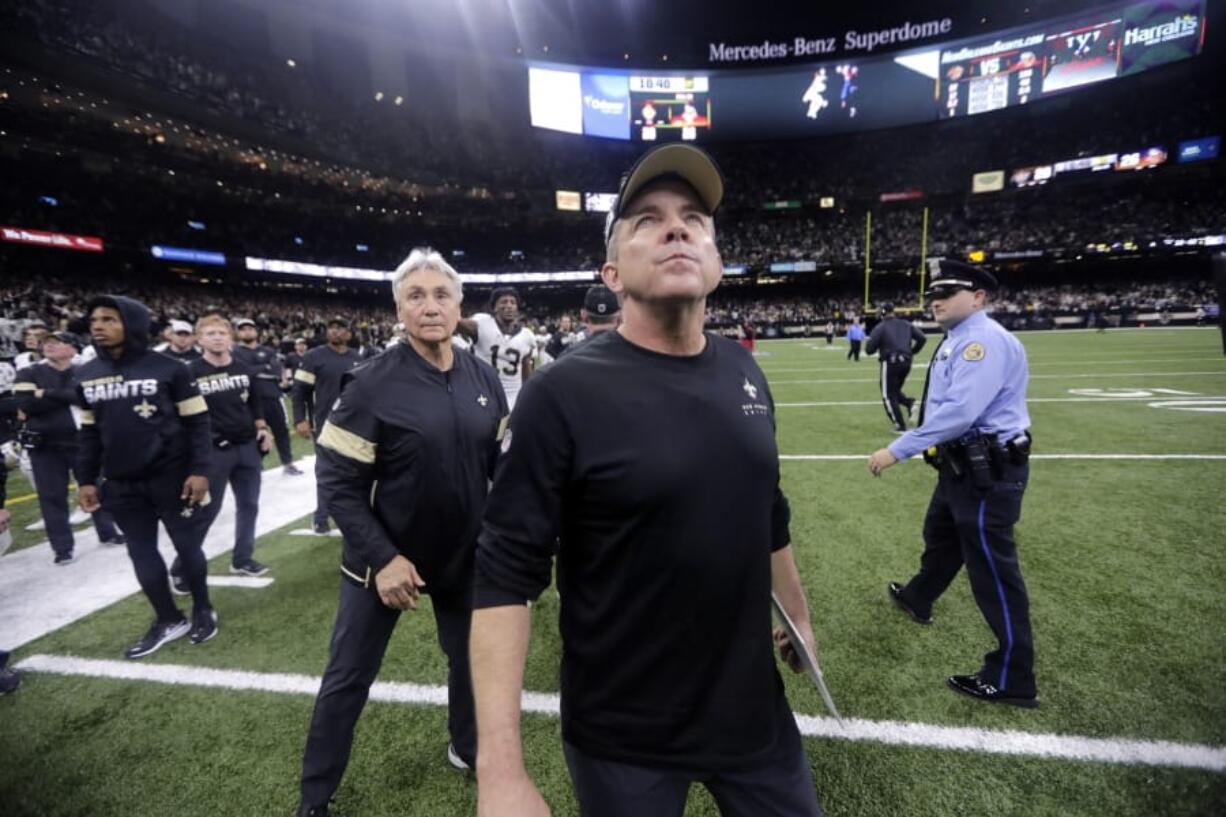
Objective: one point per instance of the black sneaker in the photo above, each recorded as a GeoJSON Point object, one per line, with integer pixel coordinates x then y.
{"type": "Point", "coordinates": [204, 625]}
{"type": "Point", "coordinates": [291, 470]}
{"type": "Point", "coordinates": [975, 687]}
{"type": "Point", "coordinates": [114, 541]}
{"type": "Point", "coordinates": [250, 567]}
{"type": "Point", "coordinates": [322, 528]}
{"type": "Point", "coordinates": [179, 586]}
{"type": "Point", "coordinates": [457, 762]}
{"type": "Point", "coordinates": [162, 632]}
{"type": "Point", "coordinates": [62, 559]}
{"type": "Point", "coordinates": [9, 681]}
{"type": "Point", "coordinates": [895, 590]}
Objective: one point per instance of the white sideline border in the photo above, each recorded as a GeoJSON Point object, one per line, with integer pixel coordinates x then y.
{"type": "Point", "coordinates": [895, 733]}
{"type": "Point", "coordinates": [1125, 457]}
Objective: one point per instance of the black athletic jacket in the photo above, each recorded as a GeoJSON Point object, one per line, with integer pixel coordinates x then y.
{"type": "Point", "coordinates": [896, 339]}
{"type": "Point", "coordinates": [51, 414]}
{"type": "Point", "coordinates": [425, 441]}
{"type": "Point", "coordinates": [143, 415]}
{"type": "Point", "coordinates": [267, 366]}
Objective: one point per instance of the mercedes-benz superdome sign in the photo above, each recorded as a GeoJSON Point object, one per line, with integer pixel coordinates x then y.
{"type": "Point", "coordinates": [860, 91]}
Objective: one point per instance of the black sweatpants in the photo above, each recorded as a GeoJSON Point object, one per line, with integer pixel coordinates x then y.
{"type": "Point", "coordinates": [137, 506]}
{"type": "Point", "coordinates": [239, 467]}
{"type": "Point", "coordinates": [779, 785]}
{"type": "Point", "coordinates": [966, 526]}
{"type": "Point", "coordinates": [894, 371]}
{"type": "Point", "coordinates": [274, 415]}
{"type": "Point", "coordinates": [853, 352]}
{"type": "Point", "coordinates": [52, 466]}
{"type": "Point", "coordinates": [363, 628]}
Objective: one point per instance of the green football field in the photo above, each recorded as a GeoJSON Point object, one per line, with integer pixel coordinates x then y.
{"type": "Point", "coordinates": [1121, 544]}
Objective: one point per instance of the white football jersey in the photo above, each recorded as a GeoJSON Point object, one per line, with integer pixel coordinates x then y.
{"type": "Point", "coordinates": [506, 353]}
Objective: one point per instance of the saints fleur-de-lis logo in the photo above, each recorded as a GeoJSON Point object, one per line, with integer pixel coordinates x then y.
{"type": "Point", "coordinates": [145, 409]}
{"type": "Point", "coordinates": [750, 389]}
{"type": "Point", "coordinates": [482, 401]}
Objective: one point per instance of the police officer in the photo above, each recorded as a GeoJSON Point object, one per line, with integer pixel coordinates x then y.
{"type": "Point", "coordinates": [974, 430]}
{"type": "Point", "coordinates": [897, 341]}
{"type": "Point", "coordinates": [268, 375]}
{"type": "Point", "coordinates": [145, 428]}
{"type": "Point", "coordinates": [46, 393]}
{"type": "Point", "coordinates": [855, 338]}
{"type": "Point", "coordinates": [317, 384]}
{"type": "Point", "coordinates": [418, 426]}
{"type": "Point", "coordinates": [240, 434]}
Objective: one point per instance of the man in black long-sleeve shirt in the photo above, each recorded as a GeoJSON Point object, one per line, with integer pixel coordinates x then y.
{"type": "Point", "coordinates": [46, 393]}
{"type": "Point", "coordinates": [317, 383]}
{"type": "Point", "coordinates": [649, 452]}
{"type": "Point", "coordinates": [269, 371]}
{"type": "Point", "coordinates": [405, 458]}
{"type": "Point", "coordinates": [896, 341]}
{"type": "Point", "coordinates": [144, 452]}
{"type": "Point", "coordinates": [236, 418]}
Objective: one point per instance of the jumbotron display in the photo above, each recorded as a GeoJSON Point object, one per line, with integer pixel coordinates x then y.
{"type": "Point", "coordinates": [965, 77]}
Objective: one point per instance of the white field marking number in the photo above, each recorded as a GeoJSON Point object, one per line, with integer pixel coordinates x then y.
{"type": "Point", "coordinates": [1216, 405]}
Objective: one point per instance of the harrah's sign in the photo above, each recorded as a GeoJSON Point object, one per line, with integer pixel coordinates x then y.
{"type": "Point", "coordinates": [852, 41]}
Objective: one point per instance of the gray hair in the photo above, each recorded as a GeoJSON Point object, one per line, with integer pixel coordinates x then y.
{"type": "Point", "coordinates": [425, 258]}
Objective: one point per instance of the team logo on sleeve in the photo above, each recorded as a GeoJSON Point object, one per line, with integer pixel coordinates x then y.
{"type": "Point", "coordinates": [973, 352]}
{"type": "Point", "coordinates": [482, 400]}
{"type": "Point", "coordinates": [750, 389]}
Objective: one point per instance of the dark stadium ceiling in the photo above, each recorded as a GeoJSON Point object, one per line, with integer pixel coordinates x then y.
{"type": "Point", "coordinates": [657, 32]}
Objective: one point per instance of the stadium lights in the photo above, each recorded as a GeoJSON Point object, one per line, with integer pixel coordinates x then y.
{"type": "Point", "coordinates": [399, 100]}
{"type": "Point", "coordinates": [378, 96]}
{"type": "Point", "coordinates": [291, 63]}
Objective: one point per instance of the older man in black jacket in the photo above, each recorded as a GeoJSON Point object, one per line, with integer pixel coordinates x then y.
{"type": "Point", "coordinates": [420, 425]}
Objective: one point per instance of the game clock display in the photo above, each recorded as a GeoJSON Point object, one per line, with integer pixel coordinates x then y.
{"type": "Point", "coordinates": [669, 107]}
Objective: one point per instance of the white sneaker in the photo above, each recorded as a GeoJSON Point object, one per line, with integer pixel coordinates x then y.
{"type": "Point", "coordinates": [79, 517]}
{"type": "Point", "coordinates": [39, 525]}
{"type": "Point", "coordinates": [455, 760]}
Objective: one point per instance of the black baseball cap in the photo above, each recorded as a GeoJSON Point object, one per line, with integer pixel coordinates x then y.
{"type": "Point", "coordinates": [949, 276]}
{"type": "Point", "coordinates": [65, 337]}
{"type": "Point", "coordinates": [601, 301]}
{"type": "Point", "coordinates": [338, 320]}
{"type": "Point", "coordinates": [887, 308]}
{"type": "Point", "coordinates": [687, 163]}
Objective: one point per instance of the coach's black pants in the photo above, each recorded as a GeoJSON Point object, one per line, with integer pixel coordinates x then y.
{"type": "Point", "coordinates": [974, 527]}
{"type": "Point", "coordinates": [137, 506]}
{"type": "Point", "coordinates": [239, 467]}
{"type": "Point", "coordinates": [779, 785]}
{"type": "Point", "coordinates": [894, 371]}
{"type": "Point", "coordinates": [274, 415]}
{"type": "Point", "coordinates": [853, 352]}
{"type": "Point", "coordinates": [52, 465]}
{"type": "Point", "coordinates": [363, 627]}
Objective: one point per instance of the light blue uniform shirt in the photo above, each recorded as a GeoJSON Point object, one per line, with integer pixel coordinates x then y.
{"type": "Point", "coordinates": [855, 332]}
{"type": "Point", "coordinates": [977, 385]}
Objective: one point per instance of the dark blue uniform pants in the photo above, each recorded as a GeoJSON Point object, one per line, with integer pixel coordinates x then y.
{"type": "Point", "coordinates": [274, 415]}
{"type": "Point", "coordinates": [238, 466]}
{"type": "Point", "coordinates": [363, 628]}
{"type": "Point", "coordinates": [894, 371]}
{"type": "Point", "coordinates": [52, 465]}
{"type": "Point", "coordinates": [137, 506]}
{"type": "Point", "coordinates": [779, 785]}
{"type": "Point", "coordinates": [974, 527]}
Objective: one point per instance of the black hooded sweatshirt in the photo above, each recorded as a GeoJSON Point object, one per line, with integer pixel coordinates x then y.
{"type": "Point", "coordinates": [143, 415]}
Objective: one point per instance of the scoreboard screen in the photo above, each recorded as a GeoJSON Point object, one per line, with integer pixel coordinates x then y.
{"type": "Point", "coordinates": [988, 72]}
{"type": "Point", "coordinates": [669, 107]}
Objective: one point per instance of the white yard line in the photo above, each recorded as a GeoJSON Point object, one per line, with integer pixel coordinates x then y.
{"type": "Point", "coordinates": [249, 582]}
{"type": "Point", "coordinates": [1120, 751]}
{"type": "Point", "coordinates": [37, 598]}
{"type": "Point", "coordinates": [1126, 457]}
{"type": "Point", "coordinates": [1118, 375]}
{"type": "Point", "coordinates": [1105, 398]}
